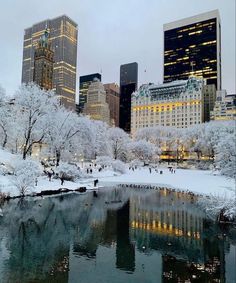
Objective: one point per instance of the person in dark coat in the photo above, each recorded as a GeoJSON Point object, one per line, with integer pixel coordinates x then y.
{"type": "Point", "coordinates": [62, 180]}
{"type": "Point", "coordinates": [50, 176]}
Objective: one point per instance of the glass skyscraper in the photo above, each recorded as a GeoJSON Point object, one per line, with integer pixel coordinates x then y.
{"type": "Point", "coordinates": [63, 39]}
{"type": "Point", "coordinates": [193, 46]}
{"type": "Point", "coordinates": [128, 84]}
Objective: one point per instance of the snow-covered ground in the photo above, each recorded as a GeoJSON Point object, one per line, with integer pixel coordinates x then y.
{"type": "Point", "coordinates": [197, 181]}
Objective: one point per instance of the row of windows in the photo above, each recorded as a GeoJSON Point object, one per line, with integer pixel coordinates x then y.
{"type": "Point", "coordinates": [178, 125]}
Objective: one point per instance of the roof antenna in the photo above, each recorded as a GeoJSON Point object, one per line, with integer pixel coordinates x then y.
{"type": "Point", "coordinates": [192, 65]}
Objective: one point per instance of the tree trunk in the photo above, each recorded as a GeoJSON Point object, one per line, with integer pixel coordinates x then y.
{"type": "Point", "coordinates": [58, 157]}
{"type": "Point", "coordinates": [5, 141]}
{"type": "Point", "coordinates": [24, 153]}
{"type": "Point", "coordinates": [115, 151]}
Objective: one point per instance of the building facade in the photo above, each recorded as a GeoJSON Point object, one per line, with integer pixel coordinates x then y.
{"type": "Point", "coordinates": [209, 97]}
{"type": "Point", "coordinates": [113, 100]}
{"type": "Point", "coordinates": [84, 83]}
{"type": "Point", "coordinates": [43, 63]}
{"type": "Point", "coordinates": [225, 107]}
{"type": "Point", "coordinates": [96, 106]}
{"type": "Point", "coordinates": [128, 84]}
{"type": "Point", "coordinates": [177, 104]}
{"type": "Point", "coordinates": [193, 46]}
{"type": "Point", "coordinates": [63, 38]}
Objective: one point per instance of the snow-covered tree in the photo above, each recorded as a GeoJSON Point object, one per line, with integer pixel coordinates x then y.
{"type": "Point", "coordinates": [84, 142]}
{"type": "Point", "coordinates": [104, 160]}
{"type": "Point", "coordinates": [215, 205]}
{"type": "Point", "coordinates": [35, 105]}
{"type": "Point", "coordinates": [118, 140]}
{"type": "Point", "coordinates": [5, 117]}
{"type": "Point", "coordinates": [25, 174]}
{"type": "Point", "coordinates": [226, 155]}
{"type": "Point", "coordinates": [142, 150]}
{"type": "Point", "coordinates": [62, 127]}
{"type": "Point", "coordinates": [15, 131]}
{"type": "Point", "coordinates": [100, 145]}
{"type": "Point", "coordinates": [154, 135]}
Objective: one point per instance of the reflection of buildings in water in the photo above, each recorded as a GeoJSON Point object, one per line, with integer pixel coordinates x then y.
{"type": "Point", "coordinates": [52, 230]}
{"type": "Point", "coordinates": [33, 242]}
{"type": "Point", "coordinates": [100, 222]}
{"type": "Point", "coordinates": [113, 232]}
{"type": "Point", "coordinates": [125, 251]}
{"type": "Point", "coordinates": [170, 223]}
{"type": "Point", "coordinates": [170, 215]}
{"type": "Point", "coordinates": [176, 270]}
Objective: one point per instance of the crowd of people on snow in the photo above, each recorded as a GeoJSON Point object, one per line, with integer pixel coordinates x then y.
{"type": "Point", "coordinates": [154, 169]}
{"type": "Point", "coordinates": [89, 169]}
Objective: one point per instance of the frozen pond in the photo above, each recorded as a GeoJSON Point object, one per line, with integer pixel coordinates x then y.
{"type": "Point", "coordinates": [114, 236]}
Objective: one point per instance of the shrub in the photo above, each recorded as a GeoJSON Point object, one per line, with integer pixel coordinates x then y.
{"type": "Point", "coordinates": [68, 171]}
{"type": "Point", "coordinates": [118, 166]}
{"type": "Point", "coordinates": [24, 174]}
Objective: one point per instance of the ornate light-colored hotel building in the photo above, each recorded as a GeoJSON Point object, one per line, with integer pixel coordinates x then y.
{"type": "Point", "coordinates": [178, 104]}
{"type": "Point", "coordinates": [97, 107]}
{"type": "Point", "coordinates": [63, 39]}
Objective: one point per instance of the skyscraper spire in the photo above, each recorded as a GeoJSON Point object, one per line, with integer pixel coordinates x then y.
{"type": "Point", "coordinates": [192, 71]}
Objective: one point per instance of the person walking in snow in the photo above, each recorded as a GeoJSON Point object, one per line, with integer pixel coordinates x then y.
{"type": "Point", "coordinates": [95, 182]}
{"type": "Point", "coordinates": [62, 180]}
{"type": "Point", "coordinates": [50, 176]}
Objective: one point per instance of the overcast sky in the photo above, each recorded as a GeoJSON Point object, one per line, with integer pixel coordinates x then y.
{"type": "Point", "coordinates": [111, 33]}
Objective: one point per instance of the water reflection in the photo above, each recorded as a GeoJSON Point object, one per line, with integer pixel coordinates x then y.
{"type": "Point", "coordinates": [118, 235]}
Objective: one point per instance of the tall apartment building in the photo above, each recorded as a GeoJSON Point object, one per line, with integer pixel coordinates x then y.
{"type": "Point", "coordinates": [63, 38]}
{"type": "Point", "coordinates": [225, 107]}
{"type": "Point", "coordinates": [128, 84]}
{"type": "Point", "coordinates": [193, 46]}
{"type": "Point", "coordinates": [177, 104]}
{"type": "Point", "coordinates": [96, 106]}
{"type": "Point", "coordinates": [43, 63]}
{"type": "Point", "coordinates": [84, 83]}
{"type": "Point", "coordinates": [113, 100]}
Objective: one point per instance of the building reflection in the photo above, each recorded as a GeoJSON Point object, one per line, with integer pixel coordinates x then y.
{"type": "Point", "coordinates": [170, 223]}
{"type": "Point", "coordinates": [48, 238]}
{"type": "Point", "coordinates": [125, 251]}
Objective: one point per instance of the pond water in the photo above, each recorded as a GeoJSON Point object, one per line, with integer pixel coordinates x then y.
{"type": "Point", "coordinates": [117, 235]}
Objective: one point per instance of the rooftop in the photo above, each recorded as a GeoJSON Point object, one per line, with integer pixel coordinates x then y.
{"type": "Point", "coordinates": [191, 20]}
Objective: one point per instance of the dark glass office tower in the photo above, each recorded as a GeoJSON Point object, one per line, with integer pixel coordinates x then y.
{"type": "Point", "coordinates": [84, 83]}
{"type": "Point", "coordinates": [63, 38]}
{"type": "Point", "coordinates": [128, 84]}
{"type": "Point", "coordinates": [192, 46]}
